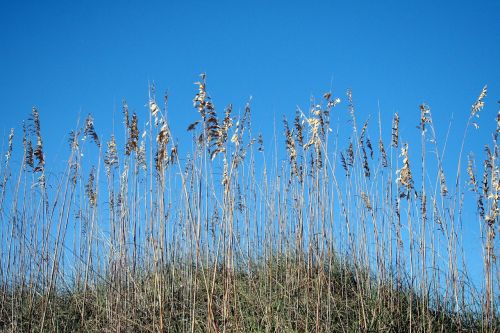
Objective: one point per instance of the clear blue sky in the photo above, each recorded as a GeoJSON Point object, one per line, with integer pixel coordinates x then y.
{"type": "Point", "coordinates": [86, 56]}
{"type": "Point", "coordinates": [77, 57]}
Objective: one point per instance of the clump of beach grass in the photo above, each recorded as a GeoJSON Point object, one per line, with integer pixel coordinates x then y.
{"type": "Point", "coordinates": [327, 234]}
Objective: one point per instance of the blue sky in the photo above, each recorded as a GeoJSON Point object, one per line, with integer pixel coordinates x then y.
{"type": "Point", "coordinates": [84, 56]}
{"type": "Point", "coordinates": [78, 57]}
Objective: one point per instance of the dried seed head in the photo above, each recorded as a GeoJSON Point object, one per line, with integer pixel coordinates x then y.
{"type": "Point", "coordinates": [74, 172]}
{"type": "Point", "coordinates": [442, 182]}
{"type": "Point", "coordinates": [363, 131]}
{"type": "Point", "coordinates": [125, 114]}
{"type": "Point", "coordinates": [211, 126]}
{"type": "Point", "coordinates": [200, 99]}
{"type": "Point", "coordinates": [173, 154]}
{"type": "Point", "coordinates": [350, 155]}
{"type": "Point", "coordinates": [498, 124]}
{"type": "Point", "coordinates": [162, 139]}
{"type": "Point", "coordinates": [366, 166]}
{"type": "Point", "coordinates": [163, 136]}
{"type": "Point", "coordinates": [425, 116]}
{"type": "Point", "coordinates": [40, 157]}
{"type": "Point", "coordinates": [133, 136]}
{"type": "Point", "coordinates": [290, 146]}
{"type": "Point", "coordinates": [225, 173]}
{"type": "Point", "coordinates": [90, 189]}
{"type": "Point", "coordinates": [366, 201]}
{"type": "Point", "coordinates": [319, 157]}
{"type": "Point", "coordinates": [350, 105]}
{"type": "Point", "coordinates": [37, 152]}
{"type": "Point", "coordinates": [193, 125]}
{"type": "Point", "coordinates": [9, 148]}
{"type": "Point", "coordinates": [423, 207]}
{"type": "Point", "coordinates": [153, 107]}
{"type": "Point", "coordinates": [314, 126]}
{"type": "Point", "coordinates": [435, 212]}
{"type": "Point", "coordinates": [90, 130]}
{"type": "Point", "coordinates": [221, 132]}
{"type": "Point", "coordinates": [480, 206]}
{"type": "Point", "coordinates": [299, 129]}
{"type": "Point", "coordinates": [235, 138]}
{"type": "Point", "coordinates": [240, 204]}
{"type": "Point", "coordinates": [28, 154]}
{"type": "Point", "coordinates": [73, 140]}
{"type": "Point", "coordinates": [141, 156]}
{"type": "Point", "coordinates": [227, 123]}
{"type": "Point", "coordinates": [395, 131]}
{"type": "Point", "coordinates": [260, 141]}
{"type": "Point", "coordinates": [343, 162]}
{"type": "Point", "coordinates": [383, 153]}
{"type": "Point", "coordinates": [36, 121]}
{"type": "Point", "coordinates": [470, 171]}
{"type": "Point", "coordinates": [370, 147]}
{"type": "Point", "coordinates": [333, 103]}
{"type": "Point", "coordinates": [479, 104]}
{"type": "Point", "coordinates": [111, 157]}
{"type": "Point", "coordinates": [405, 177]}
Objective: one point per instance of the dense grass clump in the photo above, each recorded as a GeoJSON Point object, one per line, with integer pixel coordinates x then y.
{"type": "Point", "coordinates": [139, 236]}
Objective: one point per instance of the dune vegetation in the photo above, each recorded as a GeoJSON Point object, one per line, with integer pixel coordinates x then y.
{"type": "Point", "coordinates": [306, 232]}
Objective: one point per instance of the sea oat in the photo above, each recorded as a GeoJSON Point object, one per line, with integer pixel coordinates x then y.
{"type": "Point", "coordinates": [442, 182]}
{"type": "Point", "coordinates": [111, 156]}
{"type": "Point", "coordinates": [9, 148]}
{"type": "Point", "coordinates": [90, 130]}
{"type": "Point", "coordinates": [173, 154]}
{"type": "Point", "coordinates": [343, 162]}
{"type": "Point", "coordinates": [133, 136]}
{"type": "Point", "coordinates": [366, 166]}
{"type": "Point", "coordinates": [38, 151]}
{"type": "Point", "coordinates": [395, 131]}
{"type": "Point", "coordinates": [125, 114]}
{"type": "Point", "coordinates": [366, 201]}
{"type": "Point", "coordinates": [90, 189]}
{"type": "Point", "coordinates": [28, 148]}
{"type": "Point", "coordinates": [425, 116]}
{"type": "Point", "coordinates": [193, 125]}
{"type": "Point", "coordinates": [479, 104]}
{"type": "Point", "coordinates": [423, 207]}
{"type": "Point", "coordinates": [260, 142]}
{"type": "Point", "coordinates": [290, 146]}
{"type": "Point", "coordinates": [383, 153]}
{"type": "Point", "coordinates": [350, 155]}
{"type": "Point", "coordinates": [370, 147]}
{"type": "Point", "coordinates": [299, 129]}
{"type": "Point", "coordinates": [153, 107]}
{"type": "Point", "coordinates": [470, 171]}
{"type": "Point", "coordinates": [141, 156]}
{"type": "Point", "coordinates": [363, 131]}
{"type": "Point", "coordinates": [162, 139]}
{"type": "Point", "coordinates": [405, 177]}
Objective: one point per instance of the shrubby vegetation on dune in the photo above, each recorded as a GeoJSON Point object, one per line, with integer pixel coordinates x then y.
{"type": "Point", "coordinates": [340, 236]}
